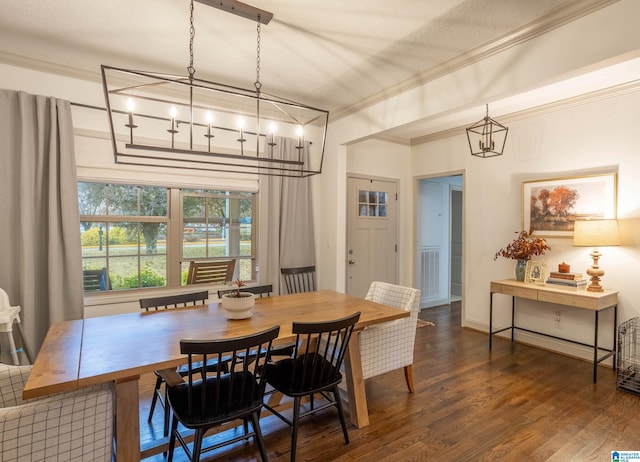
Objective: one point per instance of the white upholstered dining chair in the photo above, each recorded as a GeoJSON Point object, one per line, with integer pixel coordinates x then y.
{"type": "Point", "coordinates": [389, 346]}
{"type": "Point", "coordinates": [75, 426]}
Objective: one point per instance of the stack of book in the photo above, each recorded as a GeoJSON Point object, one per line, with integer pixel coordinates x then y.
{"type": "Point", "coordinates": [567, 279]}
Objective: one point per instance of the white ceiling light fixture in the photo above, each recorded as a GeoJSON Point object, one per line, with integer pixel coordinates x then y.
{"type": "Point", "coordinates": [182, 122]}
{"type": "Point", "coordinates": [487, 137]}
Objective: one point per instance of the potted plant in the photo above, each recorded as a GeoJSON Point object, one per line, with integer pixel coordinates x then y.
{"type": "Point", "coordinates": [238, 304]}
{"type": "Point", "coordinates": [522, 248]}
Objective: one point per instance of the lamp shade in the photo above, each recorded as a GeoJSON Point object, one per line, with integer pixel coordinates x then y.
{"type": "Point", "coordinates": [595, 233]}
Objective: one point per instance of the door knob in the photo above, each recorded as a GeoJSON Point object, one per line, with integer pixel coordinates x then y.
{"type": "Point", "coordinates": [351, 261]}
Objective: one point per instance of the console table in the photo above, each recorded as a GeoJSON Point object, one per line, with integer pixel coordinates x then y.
{"type": "Point", "coordinates": [560, 295]}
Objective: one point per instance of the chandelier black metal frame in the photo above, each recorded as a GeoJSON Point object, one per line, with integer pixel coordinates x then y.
{"type": "Point", "coordinates": [183, 122]}
{"type": "Point", "coordinates": [487, 137]}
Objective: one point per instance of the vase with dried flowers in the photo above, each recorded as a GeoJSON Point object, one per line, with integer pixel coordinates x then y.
{"type": "Point", "coordinates": [522, 248]}
{"type": "Point", "coordinates": [238, 304]}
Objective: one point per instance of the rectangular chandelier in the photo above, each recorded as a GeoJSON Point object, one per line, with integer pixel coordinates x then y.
{"type": "Point", "coordinates": [182, 122]}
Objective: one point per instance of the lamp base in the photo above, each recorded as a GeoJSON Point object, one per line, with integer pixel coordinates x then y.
{"type": "Point", "coordinates": [595, 286]}
{"type": "Point", "coordinates": [596, 273]}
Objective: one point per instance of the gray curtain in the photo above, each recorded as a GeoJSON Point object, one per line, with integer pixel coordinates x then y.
{"type": "Point", "coordinates": [40, 254]}
{"type": "Point", "coordinates": [286, 215]}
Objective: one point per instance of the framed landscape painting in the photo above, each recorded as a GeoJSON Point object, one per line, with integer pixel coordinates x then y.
{"type": "Point", "coordinates": [550, 207]}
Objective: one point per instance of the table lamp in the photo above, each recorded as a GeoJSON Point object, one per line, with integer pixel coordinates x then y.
{"type": "Point", "coordinates": [595, 233]}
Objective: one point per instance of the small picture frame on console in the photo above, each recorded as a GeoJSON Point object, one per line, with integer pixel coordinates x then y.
{"type": "Point", "coordinates": [535, 272]}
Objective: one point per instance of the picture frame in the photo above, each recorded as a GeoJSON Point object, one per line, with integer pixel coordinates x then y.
{"type": "Point", "coordinates": [535, 272]}
{"type": "Point", "coordinates": [551, 206]}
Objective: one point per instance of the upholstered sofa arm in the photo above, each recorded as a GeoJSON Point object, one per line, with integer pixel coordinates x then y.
{"type": "Point", "coordinates": [74, 426]}
{"type": "Point", "coordinates": [12, 380]}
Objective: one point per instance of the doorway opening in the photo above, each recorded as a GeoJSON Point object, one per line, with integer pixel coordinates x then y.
{"type": "Point", "coordinates": [439, 239]}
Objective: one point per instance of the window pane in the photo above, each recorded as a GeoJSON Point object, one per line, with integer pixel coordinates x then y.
{"type": "Point", "coordinates": [122, 200]}
{"type": "Point", "coordinates": [123, 239]}
{"type": "Point", "coordinates": [153, 271]}
{"type": "Point", "coordinates": [93, 239]}
{"type": "Point", "coordinates": [193, 207]}
{"type": "Point", "coordinates": [124, 272]}
{"type": "Point", "coordinates": [92, 200]}
{"type": "Point", "coordinates": [153, 201]}
{"type": "Point", "coordinates": [153, 238]}
{"type": "Point", "coordinates": [137, 200]}
{"type": "Point", "coordinates": [193, 240]}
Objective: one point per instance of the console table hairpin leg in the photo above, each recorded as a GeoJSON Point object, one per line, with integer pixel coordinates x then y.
{"type": "Point", "coordinates": [590, 301]}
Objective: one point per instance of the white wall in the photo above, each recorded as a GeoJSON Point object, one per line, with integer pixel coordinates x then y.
{"type": "Point", "coordinates": [596, 132]}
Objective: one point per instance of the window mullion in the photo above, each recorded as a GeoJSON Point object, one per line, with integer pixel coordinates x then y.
{"type": "Point", "coordinates": [174, 233]}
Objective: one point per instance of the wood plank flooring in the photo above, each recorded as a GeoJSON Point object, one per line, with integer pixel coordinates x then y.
{"type": "Point", "coordinates": [512, 404]}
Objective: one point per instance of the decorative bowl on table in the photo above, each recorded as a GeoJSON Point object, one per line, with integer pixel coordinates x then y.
{"type": "Point", "coordinates": [238, 305]}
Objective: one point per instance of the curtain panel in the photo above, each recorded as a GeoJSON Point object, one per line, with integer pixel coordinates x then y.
{"type": "Point", "coordinates": [286, 220]}
{"type": "Point", "coordinates": [40, 253]}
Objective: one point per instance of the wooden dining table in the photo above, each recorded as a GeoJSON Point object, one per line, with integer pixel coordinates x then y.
{"type": "Point", "coordinates": [120, 348]}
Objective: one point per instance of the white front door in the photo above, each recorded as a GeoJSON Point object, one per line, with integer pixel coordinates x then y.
{"type": "Point", "coordinates": [372, 250]}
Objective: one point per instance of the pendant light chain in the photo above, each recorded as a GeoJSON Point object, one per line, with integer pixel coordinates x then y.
{"type": "Point", "coordinates": [257, 83]}
{"type": "Point", "coordinates": [192, 34]}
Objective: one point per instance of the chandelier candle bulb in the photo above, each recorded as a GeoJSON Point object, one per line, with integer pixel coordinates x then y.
{"type": "Point", "coordinates": [241, 129]}
{"type": "Point", "coordinates": [209, 118]}
{"type": "Point", "coordinates": [130, 107]}
{"type": "Point", "coordinates": [173, 112]}
{"type": "Point", "coordinates": [272, 130]}
{"type": "Point", "coordinates": [300, 132]}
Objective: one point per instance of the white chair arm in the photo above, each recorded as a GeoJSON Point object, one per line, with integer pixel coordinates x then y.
{"type": "Point", "coordinates": [75, 426]}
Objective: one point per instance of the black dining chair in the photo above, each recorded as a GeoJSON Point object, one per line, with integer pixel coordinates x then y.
{"type": "Point", "coordinates": [166, 303]}
{"type": "Point", "coordinates": [314, 369]}
{"type": "Point", "coordinates": [262, 290]}
{"type": "Point", "coordinates": [297, 280]}
{"type": "Point", "coordinates": [209, 399]}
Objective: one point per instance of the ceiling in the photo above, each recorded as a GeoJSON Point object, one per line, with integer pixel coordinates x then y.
{"type": "Point", "coordinates": [333, 54]}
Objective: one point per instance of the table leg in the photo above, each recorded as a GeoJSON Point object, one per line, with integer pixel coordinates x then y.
{"type": "Point", "coordinates": [355, 383]}
{"type": "Point", "coordinates": [595, 350]}
{"type": "Point", "coordinates": [490, 319]}
{"type": "Point", "coordinates": [127, 419]}
{"type": "Point", "coordinates": [615, 337]}
{"type": "Point", "coordinates": [513, 317]}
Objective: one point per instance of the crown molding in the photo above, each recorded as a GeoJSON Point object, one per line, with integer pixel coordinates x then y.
{"type": "Point", "coordinates": [555, 19]}
{"type": "Point", "coordinates": [49, 67]}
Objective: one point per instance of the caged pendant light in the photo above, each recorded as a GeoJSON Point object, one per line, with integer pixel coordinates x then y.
{"type": "Point", "coordinates": [487, 137]}
{"type": "Point", "coordinates": [183, 122]}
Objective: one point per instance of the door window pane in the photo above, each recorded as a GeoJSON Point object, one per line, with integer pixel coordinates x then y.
{"type": "Point", "coordinates": [372, 203]}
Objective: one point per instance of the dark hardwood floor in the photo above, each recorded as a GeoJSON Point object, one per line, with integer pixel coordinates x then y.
{"type": "Point", "coordinates": [512, 404]}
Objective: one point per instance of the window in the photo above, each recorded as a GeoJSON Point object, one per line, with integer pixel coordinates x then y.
{"type": "Point", "coordinates": [217, 225]}
{"type": "Point", "coordinates": [131, 239]}
{"type": "Point", "coordinates": [372, 203]}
